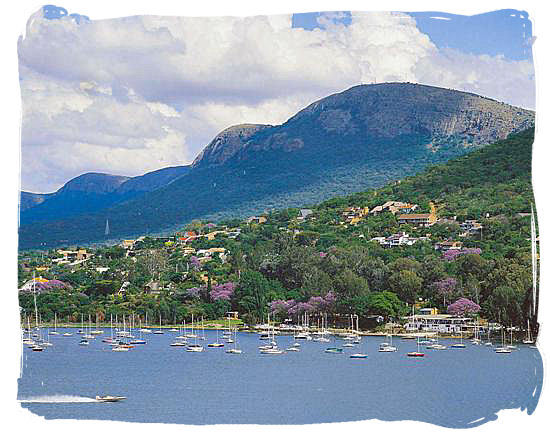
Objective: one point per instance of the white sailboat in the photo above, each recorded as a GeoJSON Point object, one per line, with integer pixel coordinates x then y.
{"type": "Point", "coordinates": [387, 345]}
{"type": "Point", "coordinates": [461, 344]}
{"type": "Point", "coordinates": [503, 349]}
{"type": "Point", "coordinates": [145, 329]}
{"type": "Point", "coordinates": [528, 339]}
{"type": "Point", "coordinates": [54, 331]}
{"type": "Point", "coordinates": [511, 346]}
{"type": "Point", "coordinates": [234, 350]}
{"type": "Point", "coordinates": [159, 331]}
{"type": "Point", "coordinates": [195, 347]}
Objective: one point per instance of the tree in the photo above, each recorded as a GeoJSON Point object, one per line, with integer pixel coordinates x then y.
{"type": "Point", "coordinates": [348, 285]}
{"type": "Point", "coordinates": [445, 288]}
{"type": "Point", "coordinates": [251, 296]}
{"type": "Point", "coordinates": [385, 303]}
{"type": "Point", "coordinates": [406, 284]}
{"type": "Point", "coordinates": [463, 306]}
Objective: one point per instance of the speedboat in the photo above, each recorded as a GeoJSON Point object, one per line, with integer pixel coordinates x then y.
{"type": "Point", "coordinates": [67, 334]}
{"type": "Point", "coordinates": [358, 356]}
{"type": "Point", "coordinates": [108, 398]}
{"type": "Point", "coordinates": [334, 350]}
{"type": "Point", "coordinates": [83, 342]}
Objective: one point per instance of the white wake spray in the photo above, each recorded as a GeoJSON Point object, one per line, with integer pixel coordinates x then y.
{"type": "Point", "coordinates": [57, 399]}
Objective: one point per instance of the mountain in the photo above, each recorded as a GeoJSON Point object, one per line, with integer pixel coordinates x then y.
{"type": "Point", "coordinates": [226, 144]}
{"type": "Point", "coordinates": [361, 138]}
{"type": "Point", "coordinates": [30, 199]}
{"type": "Point", "coordinates": [91, 192]}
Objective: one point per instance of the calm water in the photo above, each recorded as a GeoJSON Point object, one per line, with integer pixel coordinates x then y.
{"type": "Point", "coordinates": [452, 388]}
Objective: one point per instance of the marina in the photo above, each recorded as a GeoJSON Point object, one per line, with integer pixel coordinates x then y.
{"type": "Point", "coordinates": [218, 388]}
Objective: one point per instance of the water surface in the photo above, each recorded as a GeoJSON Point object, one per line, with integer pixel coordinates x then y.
{"type": "Point", "coordinates": [456, 388]}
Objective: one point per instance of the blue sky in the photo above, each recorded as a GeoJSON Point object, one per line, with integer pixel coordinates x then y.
{"type": "Point", "coordinates": [507, 32]}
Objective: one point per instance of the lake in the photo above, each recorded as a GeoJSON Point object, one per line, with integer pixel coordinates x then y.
{"type": "Point", "coordinates": [456, 388]}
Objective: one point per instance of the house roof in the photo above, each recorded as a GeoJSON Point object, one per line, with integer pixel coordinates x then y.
{"type": "Point", "coordinates": [415, 216]}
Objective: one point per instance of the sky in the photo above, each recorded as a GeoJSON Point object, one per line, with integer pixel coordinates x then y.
{"type": "Point", "coordinates": [130, 95]}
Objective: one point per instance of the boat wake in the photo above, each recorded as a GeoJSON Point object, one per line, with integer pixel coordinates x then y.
{"type": "Point", "coordinates": [57, 399]}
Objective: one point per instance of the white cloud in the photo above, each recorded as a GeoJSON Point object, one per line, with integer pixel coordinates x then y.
{"type": "Point", "coordinates": [133, 94]}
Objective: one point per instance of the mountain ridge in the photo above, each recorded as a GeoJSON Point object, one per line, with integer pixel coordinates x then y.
{"type": "Point", "coordinates": [360, 138]}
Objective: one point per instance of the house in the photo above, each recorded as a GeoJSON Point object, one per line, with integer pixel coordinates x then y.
{"type": "Point", "coordinates": [398, 239]}
{"type": "Point", "coordinates": [448, 245]}
{"type": "Point", "coordinates": [304, 213]}
{"type": "Point", "coordinates": [154, 287]}
{"type": "Point", "coordinates": [216, 250]}
{"type": "Point", "coordinates": [187, 236]}
{"type": "Point", "coordinates": [256, 220]}
{"type": "Point", "coordinates": [188, 250]}
{"type": "Point", "coordinates": [212, 235]}
{"type": "Point", "coordinates": [470, 227]}
{"type": "Point", "coordinates": [128, 244]}
{"type": "Point", "coordinates": [394, 207]}
{"type": "Point", "coordinates": [427, 311]}
{"type": "Point", "coordinates": [234, 233]}
{"type": "Point", "coordinates": [419, 219]}
{"type": "Point", "coordinates": [353, 215]}
{"type": "Point", "coordinates": [440, 323]}
{"type": "Point", "coordinates": [74, 255]}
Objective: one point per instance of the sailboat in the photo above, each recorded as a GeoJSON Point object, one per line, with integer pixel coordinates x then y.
{"type": "Point", "coordinates": [528, 339]}
{"type": "Point", "coordinates": [436, 345]}
{"type": "Point", "coordinates": [387, 346]}
{"type": "Point", "coordinates": [272, 348]}
{"type": "Point", "coordinates": [195, 347]}
{"type": "Point", "coordinates": [54, 331]}
{"type": "Point", "coordinates": [96, 331]}
{"type": "Point", "coordinates": [37, 346]}
{"type": "Point", "coordinates": [145, 330]}
{"type": "Point", "coordinates": [461, 344]}
{"type": "Point", "coordinates": [476, 340]}
{"type": "Point", "coordinates": [511, 346]}
{"type": "Point", "coordinates": [488, 343]}
{"type": "Point", "coordinates": [503, 349]}
{"type": "Point", "coordinates": [216, 344]}
{"type": "Point", "coordinates": [416, 353]}
{"type": "Point", "coordinates": [234, 350]}
{"type": "Point", "coordinates": [159, 331]}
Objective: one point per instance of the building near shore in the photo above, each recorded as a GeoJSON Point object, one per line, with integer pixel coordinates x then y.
{"type": "Point", "coordinates": [440, 323]}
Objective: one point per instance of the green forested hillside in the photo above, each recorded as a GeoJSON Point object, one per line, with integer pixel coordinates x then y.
{"type": "Point", "coordinates": [323, 263]}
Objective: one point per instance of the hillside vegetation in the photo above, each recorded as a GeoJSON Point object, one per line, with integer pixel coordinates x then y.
{"type": "Point", "coordinates": [288, 265]}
